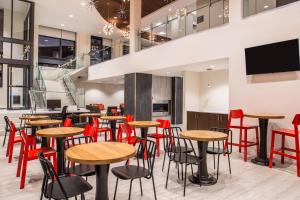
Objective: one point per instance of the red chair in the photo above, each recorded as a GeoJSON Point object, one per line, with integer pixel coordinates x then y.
{"type": "Point", "coordinates": [100, 130]}
{"type": "Point", "coordinates": [28, 154]}
{"type": "Point", "coordinates": [164, 124]}
{"type": "Point", "coordinates": [289, 133]}
{"type": "Point", "coordinates": [12, 140]}
{"type": "Point", "coordinates": [243, 143]}
{"type": "Point", "coordinates": [130, 134]}
{"type": "Point", "coordinates": [68, 122]}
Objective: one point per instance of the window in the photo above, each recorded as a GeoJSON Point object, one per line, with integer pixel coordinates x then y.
{"type": "Point", "coordinates": [55, 51]}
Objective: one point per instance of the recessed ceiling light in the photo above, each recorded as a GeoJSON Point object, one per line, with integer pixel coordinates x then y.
{"type": "Point", "coordinates": [162, 33]}
{"type": "Point", "coordinates": [158, 24]}
{"type": "Point", "coordinates": [62, 25]}
{"type": "Point", "coordinates": [168, 72]}
{"type": "Point", "coordinates": [100, 32]}
{"type": "Point", "coordinates": [46, 40]}
{"type": "Point", "coordinates": [71, 15]}
{"type": "Point", "coordinates": [82, 3]}
{"type": "Point", "coordinates": [220, 16]}
{"type": "Point", "coordinates": [266, 6]}
{"type": "Point", "coordinates": [170, 9]}
{"type": "Point", "coordinates": [194, 13]}
{"type": "Point", "coordinates": [115, 17]}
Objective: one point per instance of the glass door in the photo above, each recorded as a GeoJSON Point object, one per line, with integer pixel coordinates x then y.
{"type": "Point", "coordinates": [18, 87]}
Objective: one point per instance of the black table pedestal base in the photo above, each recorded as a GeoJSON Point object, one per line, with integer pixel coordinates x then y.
{"type": "Point", "coordinates": [262, 162]}
{"type": "Point", "coordinates": [205, 180]}
{"type": "Point", "coordinates": [102, 182]}
{"type": "Point", "coordinates": [60, 155]}
{"type": "Point", "coordinates": [113, 126]}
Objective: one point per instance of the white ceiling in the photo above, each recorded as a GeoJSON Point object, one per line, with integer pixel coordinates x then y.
{"type": "Point", "coordinates": [53, 13]}
{"type": "Point", "coordinates": [218, 64]}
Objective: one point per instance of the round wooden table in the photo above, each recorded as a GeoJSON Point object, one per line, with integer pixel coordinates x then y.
{"type": "Point", "coordinates": [45, 123]}
{"type": "Point", "coordinates": [262, 158]}
{"type": "Point", "coordinates": [101, 155]}
{"type": "Point", "coordinates": [203, 137]}
{"type": "Point", "coordinates": [113, 123]}
{"type": "Point", "coordinates": [33, 117]}
{"type": "Point", "coordinates": [144, 126]}
{"type": "Point", "coordinates": [60, 134]}
{"type": "Point", "coordinates": [89, 116]}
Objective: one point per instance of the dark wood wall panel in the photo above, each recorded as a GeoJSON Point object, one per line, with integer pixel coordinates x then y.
{"type": "Point", "coordinates": [143, 97]}
{"type": "Point", "coordinates": [177, 100]}
{"type": "Point", "coordinates": [129, 94]}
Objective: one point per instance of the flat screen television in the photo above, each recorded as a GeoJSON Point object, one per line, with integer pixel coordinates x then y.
{"type": "Point", "coordinates": [53, 104]}
{"type": "Point", "coordinates": [272, 58]}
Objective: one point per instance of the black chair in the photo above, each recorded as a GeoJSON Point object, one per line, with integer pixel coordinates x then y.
{"type": "Point", "coordinates": [143, 168]}
{"type": "Point", "coordinates": [173, 131]}
{"type": "Point", "coordinates": [79, 169]}
{"type": "Point", "coordinates": [7, 128]}
{"type": "Point", "coordinates": [61, 187]}
{"type": "Point", "coordinates": [219, 148]}
{"type": "Point", "coordinates": [181, 157]}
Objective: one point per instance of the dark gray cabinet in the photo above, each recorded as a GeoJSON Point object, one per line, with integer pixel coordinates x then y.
{"type": "Point", "coordinates": [205, 121]}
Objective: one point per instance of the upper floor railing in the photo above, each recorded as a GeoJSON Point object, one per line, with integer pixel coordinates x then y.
{"type": "Point", "coordinates": [193, 18]}
{"type": "Point", "coordinates": [252, 7]}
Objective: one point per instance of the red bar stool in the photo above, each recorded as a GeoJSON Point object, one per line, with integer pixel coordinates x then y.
{"type": "Point", "coordinates": [164, 124]}
{"type": "Point", "coordinates": [243, 143]}
{"type": "Point", "coordinates": [28, 154]}
{"type": "Point", "coordinates": [12, 140]}
{"type": "Point", "coordinates": [289, 133]}
{"type": "Point", "coordinates": [100, 130]}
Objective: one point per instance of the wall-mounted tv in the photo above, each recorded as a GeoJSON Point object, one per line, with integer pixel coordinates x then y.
{"type": "Point", "coordinates": [272, 58]}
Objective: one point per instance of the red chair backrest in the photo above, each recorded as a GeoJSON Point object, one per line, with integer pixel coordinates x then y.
{"type": "Point", "coordinates": [125, 128]}
{"type": "Point", "coordinates": [164, 123]}
{"type": "Point", "coordinates": [95, 122]}
{"type": "Point", "coordinates": [68, 122]}
{"type": "Point", "coordinates": [129, 118]}
{"type": "Point", "coordinates": [296, 122]}
{"type": "Point", "coordinates": [236, 114]}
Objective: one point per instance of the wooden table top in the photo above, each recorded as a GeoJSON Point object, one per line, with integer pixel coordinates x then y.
{"type": "Point", "coordinates": [60, 132]}
{"type": "Point", "coordinates": [112, 118]}
{"type": "Point", "coordinates": [100, 153]}
{"type": "Point", "coordinates": [90, 115]}
{"type": "Point", "coordinates": [143, 124]}
{"type": "Point", "coordinates": [203, 135]}
{"type": "Point", "coordinates": [265, 116]}
{"type": "Point", "coordinates": [45, 122]}
{"type": "Point", "coordinates": [33, 117]}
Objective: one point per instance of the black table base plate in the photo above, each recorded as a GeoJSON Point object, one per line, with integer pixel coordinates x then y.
{"type": "Point", "coordinates": [261, 162]}
{"type": "Point", "coordinates": [206, 181]}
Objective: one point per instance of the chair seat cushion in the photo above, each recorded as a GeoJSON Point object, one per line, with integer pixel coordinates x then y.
{"type": "Point", "coordinates": [81, 170]}
{"type": "Point", "coordinates": [73, 186]}
{"type": "Point", "coordinates": [285, 131]}
{"type": "Point", "coordinates": [130, 172]}
{"type": "Point", "coordinates": [156, 135]}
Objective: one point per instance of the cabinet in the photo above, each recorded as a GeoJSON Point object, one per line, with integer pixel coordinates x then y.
{"type": "Point", "coordinates": [204, 121]}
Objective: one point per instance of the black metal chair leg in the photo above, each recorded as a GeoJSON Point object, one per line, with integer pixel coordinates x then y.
{"type": "Point", "coordinates": [229, 163]}
{"type": "Point", "coordinates": [218, 167]}
{"type": "Point", "coordinates": [192, 170]}
{"type": "Point", "coordinates": [130, 189]}
{"type": "Point", "coordinates": [82, 197]}
{"type": "Point", "coordinates": [4, 138]}
{"type": "Point", "coordinates": [116, 188]}
{"type": "Point", "coordinates": [184, 187]}
{"type": "Point", "coordinates": [177, 166]}
{"type": "Point", "coordinates": [164, 162]}
{"type": "Point", "coordinates": [182, 172]}
{"type": "Point", "coordinates": [75, 197]}
{"type": "Point", "coordinates": [168, 174]}
{"type": "Point", "coordinates": [154, 190]}
{"type": "Point", "coordinates": [214, 161]}
{"type": "Point", "coordinates": [199, 174]}
{"type": "Point", "coordinates": [141, 187]}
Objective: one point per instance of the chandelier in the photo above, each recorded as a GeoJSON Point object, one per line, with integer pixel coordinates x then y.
{"type": "Point", "coordinates": [226, 9]}
{"type": "Point", "coordinates": [125, 33]}
{"type": "Point", "coordinates": [108, 29]}
{"type": "Point", "coordinates": [181, 12]}
{"type": "Point", "coordinates": [92, 3]}
{"type": "Point", "coordinates": [122, 12]}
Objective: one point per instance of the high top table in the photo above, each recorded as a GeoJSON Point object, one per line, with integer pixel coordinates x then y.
{"type": "Point", "coordinates": [113, 123]}
{"type": "Point", "coordinates": [144, 126]}
{"type": "Point", "coordinates": [101, 155]}
{"type": "Point", "coordinates": [45, 123]}
{"type": "Point", "coordinates": [262, 158]}
{"type": "Point", "coordinates": [203, 137]}
{"type": "Point", "coordinates": [60, 134]}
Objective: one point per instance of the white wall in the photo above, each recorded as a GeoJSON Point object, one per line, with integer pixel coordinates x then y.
{"type": "Point", "coordinates": [107, 94]}
{"type": "Point", "coordinates": [214, 91]}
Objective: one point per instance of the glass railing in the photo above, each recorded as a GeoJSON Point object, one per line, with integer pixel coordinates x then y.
{"type": "Point", "coordinates": [252, 7]}
{"type": "Point", "coordinates": [199, 16]}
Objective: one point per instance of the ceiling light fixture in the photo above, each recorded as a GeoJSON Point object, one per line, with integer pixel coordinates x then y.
{"type": "Point", "coordinates": [123, 12]}
{"type": "Point", "coordinates": [162, 33]}
{"type": "Point", "coordinates": [71, 15]}
{"type": "Point", "coordinates": [125, 33]}
{"type": "Point", "coordinates": [108, 29]}
{"type": "Point", "coordinates": [92, 3]}
{"type": "Point", "coordinates": [62, 25]}
{"type": "Point", "coordinates": [82, 3]}
{"type": "Point", "coordinates": [181, 12]}
{"type": "Point", "coordinates": [266, 6]}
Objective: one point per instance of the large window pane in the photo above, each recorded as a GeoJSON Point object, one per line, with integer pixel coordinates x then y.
{"type": "Point", "coordinates": [68, 49]}
{"type": "Point", "coordinates": [49, 47]}
{"type": "Point", "coordinates": [217, 14]}
{"type": "Point", "coordinates": [20, 19]}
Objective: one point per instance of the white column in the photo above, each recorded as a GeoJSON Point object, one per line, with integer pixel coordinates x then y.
{"type": "Point", "coordinates": [135, 24]}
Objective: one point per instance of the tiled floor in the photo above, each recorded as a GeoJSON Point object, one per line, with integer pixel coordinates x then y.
{"type": "Point", "coordinates": [247, 181]}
